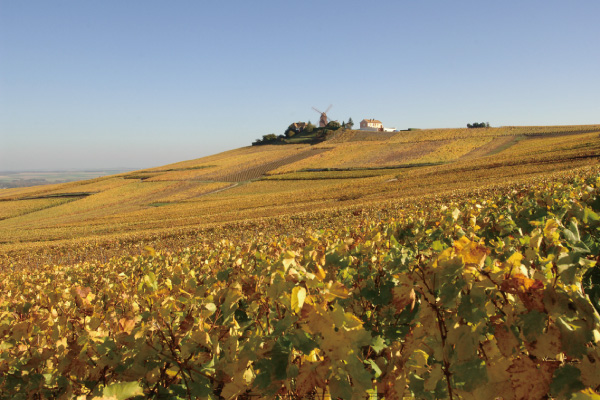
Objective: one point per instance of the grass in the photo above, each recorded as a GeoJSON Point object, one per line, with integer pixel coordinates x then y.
{"type": "Point", "coordinates": [59, 196]}
{"type": "Point", "coordinates": [159, 204]}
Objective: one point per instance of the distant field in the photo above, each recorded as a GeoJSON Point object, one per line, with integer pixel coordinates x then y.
{"type": "Point", "coordinates": [24, 179]}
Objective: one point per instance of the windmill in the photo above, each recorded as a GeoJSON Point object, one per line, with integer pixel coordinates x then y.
{"type": "Point", "coordinates": [324, 118]}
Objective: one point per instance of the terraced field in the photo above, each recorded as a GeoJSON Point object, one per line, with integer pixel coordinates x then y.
{"type": "Point", "coordinates": [227, 187]}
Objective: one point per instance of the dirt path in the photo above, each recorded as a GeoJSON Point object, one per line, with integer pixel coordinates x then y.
{"type": "Point", "coordinates": [496, 144]}
{"type": "Point", "coordinates": [260, 170]}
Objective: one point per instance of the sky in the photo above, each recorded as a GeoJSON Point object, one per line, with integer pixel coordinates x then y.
{"type": "Point", "coordinates": [137, 84]}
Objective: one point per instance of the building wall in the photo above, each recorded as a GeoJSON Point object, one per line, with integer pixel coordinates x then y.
{"type": "Point", "coordinates": [370, 126]}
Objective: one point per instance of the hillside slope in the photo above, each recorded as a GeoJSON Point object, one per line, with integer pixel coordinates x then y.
{"type": "Point", "coordinates": [474, 294]}
{"type": "Point", "coordinates": [352, 169]}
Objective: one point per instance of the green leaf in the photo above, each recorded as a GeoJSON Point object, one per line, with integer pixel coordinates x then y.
{"type": "Point", "coordinates": [224, 275]}
{"type": "Point", "coordinates": [283, 324]}
{"type": "Point", "coordinates": [572, 234]}
{"type": "Point", "coordinates": [533, 324]}
{"type": "Point", "coordinates": [591, 286]}
{"type": "Point", "coordinates": [122, 390]}
{"type": "Point", "coordinates": [303, 342]}
{"type": "Point", "coordinates": [263, 378]}
{"type": "Point", "coordinates": [378, 344]}
{"type": "Point", "coordinates": [574, 337]}
{"type": "Point", "coordinates": [469, 375]}
{"type": "Point", "coordinates": [472, 306]}
{"type": "Point", "coordinates": [340, 388]}
{"type": "Point", "coordinates": [280, 358]}
{"type": "Point", "coordinates": [566, 381]}
{"type": "Point", "coordinates": [590, 215]}
{"type": "Point", "coordinates": [375, 368]}
{"type": "Point", "coordinates": [417, 387]}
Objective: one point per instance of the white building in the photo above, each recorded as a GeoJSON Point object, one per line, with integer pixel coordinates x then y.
{"type": "Point", "coordinates": [371, 125]}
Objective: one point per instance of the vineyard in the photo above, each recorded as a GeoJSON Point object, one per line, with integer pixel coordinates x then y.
{"type": "Point", "coordinates": [494, 295]}
{"type": "Point", "coordinates": [433, 264]}
{"type": "Point", "coordinates": [226, 188]}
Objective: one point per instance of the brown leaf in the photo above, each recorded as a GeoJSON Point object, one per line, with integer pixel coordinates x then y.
{"type": "Point", "coordinates": [403, 296]}
{"type": "Point", "coordinates": [531, 380]}
{"type": "Point", "coordinates": [506, 340]}
{"type": "Point", "coordinates": [310, 377]}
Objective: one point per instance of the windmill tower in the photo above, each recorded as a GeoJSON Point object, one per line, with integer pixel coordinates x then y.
{"type": "Point", "coordinates": [324, 118]}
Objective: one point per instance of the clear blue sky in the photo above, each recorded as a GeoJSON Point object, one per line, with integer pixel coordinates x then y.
{"type": "Point", "coordinates": [99, 84]}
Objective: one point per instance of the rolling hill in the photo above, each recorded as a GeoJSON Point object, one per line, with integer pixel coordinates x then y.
{"type": "Point", "coordinates": [456, 263]}
{"type": "Point", "coordinates": [353, 168]}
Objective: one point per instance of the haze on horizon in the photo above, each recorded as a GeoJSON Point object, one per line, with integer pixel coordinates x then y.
{"type": "Point", "coordinates": [138, 84]}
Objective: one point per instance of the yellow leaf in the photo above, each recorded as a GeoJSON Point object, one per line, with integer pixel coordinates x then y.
{"type": "Point", "coordinates": [550, 230]}
{"type": "Point", "coordinates": [336, 289]}
{"type": "Point", "coordinates": [320, 274]}
{"type": "Point", "coordinates": [461, 243]}
{"type": "Point", "coordinates": [456, 213]}
{"type": "Point", "coordinates": [515, 260]}
{"type": "Point", "coordinates": [127, 325]}
{"type": "Point", "coordinates": [547, 345]}
{"type": "Point", "coordinates": [418, 361]}
{"type": "Point", "coordinates": [471, 252]}
{"type": "Point", "coordinates": [232, 389]}
{"type": "Point", "coordinates": [586, 394]}
{"type": "Point", "coordinates": [289, 259]}
{"type": "Point", "coordinates": [535, 241]}
{"type": "Point", "coordinates": [298, 297]}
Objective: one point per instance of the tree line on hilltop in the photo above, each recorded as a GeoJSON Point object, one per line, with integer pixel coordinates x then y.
{"type": "Point", "coordinates": [303, 132]}
{"type": "Point", "coordinates": [479, 125]}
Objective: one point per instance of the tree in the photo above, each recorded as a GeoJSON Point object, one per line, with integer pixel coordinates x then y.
{"type": "Point", "coordinates": [479, 125]}
{"type": "Point", "coordinates": [290, 131]}
{"type": "Point", "coordinates": [271, 137]}
{"type": "Point", "coordinates": [333, 125]}
{"type": "Point", "coordinates": [350, 123]}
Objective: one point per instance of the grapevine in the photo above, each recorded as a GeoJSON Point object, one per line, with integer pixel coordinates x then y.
{"type": "Point", "coordinates": [495, 295]}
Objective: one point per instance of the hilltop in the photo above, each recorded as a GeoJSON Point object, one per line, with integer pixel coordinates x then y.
{"type": "Point", "coordinates": [350, 169]}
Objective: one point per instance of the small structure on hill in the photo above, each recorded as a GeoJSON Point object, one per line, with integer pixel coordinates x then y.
{"type": "Point", "coordinates": [324, 119]}
{"type": "Point", "coordinates": [298, 126]}
{"type": "Point", "coordinates": [371, 125]}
